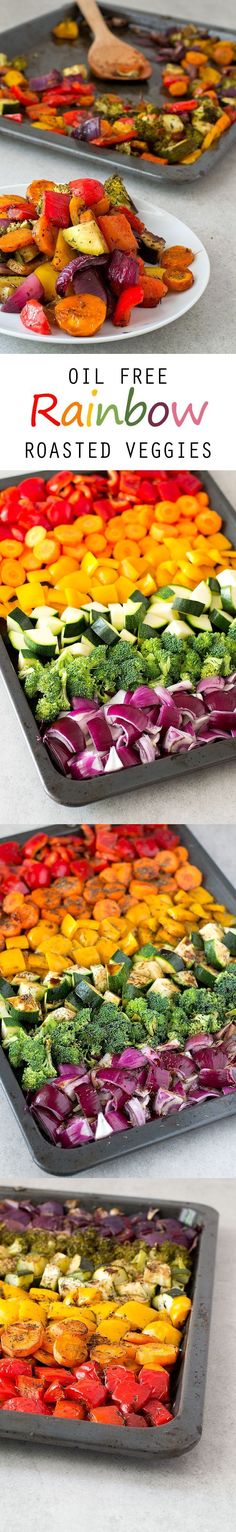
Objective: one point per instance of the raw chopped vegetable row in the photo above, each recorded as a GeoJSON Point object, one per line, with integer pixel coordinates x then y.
{"type": "Point", "coordinates": [93, 1310]}
{"type": "Point", "coordinates": [111, 687]}
{"type": "Point", "coordinates": [97, 537]}
{"type": "Point", "coordinates": [86, 257]}
{"type": "Point", "coordinates": [71, 900]}
{"type": "Point", "coordinates": [198, 74]}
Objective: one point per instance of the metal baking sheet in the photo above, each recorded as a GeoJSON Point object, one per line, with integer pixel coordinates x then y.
{"type": "Point", "coordinates": [184, 1431]}
{"type": "Point", "coordinates": [95, 789]}
{"type": "Point", "coordinates": [33, 39]}
{"type": "Point", "coordinates": [63, 1162]}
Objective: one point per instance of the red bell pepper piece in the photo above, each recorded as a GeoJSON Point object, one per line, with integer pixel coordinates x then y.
{"type": "Point", "coordinates": [34, 318]}
{"type": "Point", "coordinates": [54, 1392]}
{"type": "Point", "coordinates": [13, 1368]}
{"type": "Point", "coordinates": [107, 1415]}
{"type": "Point", "coordinates": [56, 206]}
{"type": "Point", "coordinates": [135, 222]}
{"type": "Point", "coordinates": [89, 191]}
{"type": "Point", "coordinates": [88, 1385]}
{"type": "Point", "coordinates": [53, 1374]}
{"type": "Point", "coordinates": [128, 300]}
{"type": "Point", "coordinates": [180, 106]}
{"type": "Point", "coordinates": [5, 1391]}
{"type": "Point", "coordinates": [158, 1414]}
{"type": "Point", "coordinates": [66, 1408]}
{"type": "Point", "coordinates": [155, 1385]}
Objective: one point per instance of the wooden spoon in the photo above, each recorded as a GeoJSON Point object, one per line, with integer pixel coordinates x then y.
{"type": "Point", "coordinates": [109, 58]}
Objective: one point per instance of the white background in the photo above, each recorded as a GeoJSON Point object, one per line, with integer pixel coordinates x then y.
{"type": "Point", "coordinates": [203, 378]}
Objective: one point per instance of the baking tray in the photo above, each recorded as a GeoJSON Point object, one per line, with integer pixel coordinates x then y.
{"type": "Point", "coordinates": [33, 39]}
{"type": "Point", "coordinates": [184, 1431]}
{"type": "Point", "coordinates": [95, 789]}
{"type": "Point", "coordinates": [63, 1162]}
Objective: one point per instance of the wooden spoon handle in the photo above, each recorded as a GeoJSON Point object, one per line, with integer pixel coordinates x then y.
{"type": "Point", "coordinates": [92, 14]}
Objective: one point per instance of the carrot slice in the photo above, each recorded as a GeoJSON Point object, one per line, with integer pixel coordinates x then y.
{"type": "Point", "coordinates": [188, 877]}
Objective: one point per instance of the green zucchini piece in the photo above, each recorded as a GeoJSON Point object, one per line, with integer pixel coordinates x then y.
{"type": "Point", "coordinates": [220, 620]}
{"type": "Point", "coordinates": [230, 939]}
{"type": "Point", "coordinates": [43, 644]}
{"type": "Point", "coordinates": [203, 623]}
{"type": "Point", "coordinates": [56, 989]}
{"type": "Point", "coordinates": [19, 619]}
{"type": "Point", "coordinates": [174, 961]}
{"type": "Point", "coordinates": [74, 623]}
{"type": "Point", "coordinates": [85, 992]}
{"type": "Point", "coordinates": [178, 628]}
{"type": "Point", "coordinates": [217, 953]}
{"type": "Point", "coordinates": [22, 1010]}
{"type": "Point", "coordinates": [117, 615]}
{"type": "Point", "coordinates": [102, 631]}
{"type": "Point", "coordinates": [6, 989]}
{"type": "Point", "coordinates": [205, 975]}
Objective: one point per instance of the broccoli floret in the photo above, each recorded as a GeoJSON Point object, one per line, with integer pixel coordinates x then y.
{"type": "Point", "coordinates": [117, 192]}
{"type": "Point", "coordinates": [160, 1004]}
{"type": "Point", "coordinates": [142, 1018]}
{"type": "Point", "coordinates": [33, 1051]}
{"type": "Point", "coordinates": [178, 1029]}
{"type": "Point", "coordinates": [226, 990]}
{"type": "Point", "coordinates": [54, 699]}
{"type": "Point", "coordinates": [162, 658]}
{"type": "Point", "coordinates": [124, 667]}
{"type": "Point", "coordinates": [190, 999]}
{"type": "Point", "coordinates": [191, 667]}
{"type": "Point", "coordinates": [40, 1068]}
{"type": "Point", "coordinates": [32, 673]}
{"type": "Point", "coordinates": [14, 1042]}
{"type": "Point", "coordinates": [77, 670]}
{"type": "Point", "coordinates": [200, 1024]}
{"type": "Point", "coordinates": [202, 643]}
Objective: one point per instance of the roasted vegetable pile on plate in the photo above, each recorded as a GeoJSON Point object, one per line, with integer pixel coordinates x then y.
{"type": "Point", "coordinates": [86, 257]}
{"type": "Point", "coordinates": [93, 1311]}
{"type": "Point", "coordinates": [117, 990]}
{"type": "Point", "coordinates": [78, 537]}
{"type": "Point", "coordinates": [198, 78]}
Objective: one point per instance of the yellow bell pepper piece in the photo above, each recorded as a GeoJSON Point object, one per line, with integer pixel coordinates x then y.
{"type": "Point", "coordinates": [138, 1314]}
{"type": "Point", "coordinates": [9, 1311]}
{"type": "Point", "coordinates": [103, 1310]}
{"type": "Point", "coordinates": [22, 941]}
{"type": "Point", "coordinates": [112, 1329]}
{"type": "Point", "coordinates": [43, 1295]}
{"type": "Point", "coordinates": [29, 1310]}
{"type": "Point", "coordinates": [48, 277]}
{"type": "Point", "coordinates": [11, 961]}
{"type": "Point", "coordinates": [88, 1294]}
{"type": "Point", "coordinates": [68, 925]}
{"type": "Point", "coordinates": [163, 1331]}
{"type": "Point", "coordinates": [180, 1308]}
{"type": "Point", "coordinates": [215, 132]}
{"type": "Point", "coordinates": [29, 596]}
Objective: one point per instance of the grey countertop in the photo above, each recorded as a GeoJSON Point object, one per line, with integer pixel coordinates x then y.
{"type": "Point", "coordinates": [207, 794]}
{"type": "Point", "coordinates": [193, 1491]}
{"type": "Point", "coordinates": [207, 206]}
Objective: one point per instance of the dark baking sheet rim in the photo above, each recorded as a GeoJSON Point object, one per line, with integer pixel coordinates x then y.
{"type": "Point", "coordinates": [58, 143]}
{"type": "Point", "coordinates": [181, 1434]}
{"type": "Point", "coordinates": [64, 1162]}
{"type": "Point", "coordinates": [99, 788]}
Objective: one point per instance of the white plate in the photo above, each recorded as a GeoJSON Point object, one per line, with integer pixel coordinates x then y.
{"type": "Point", "coordinates": [172, 307]}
